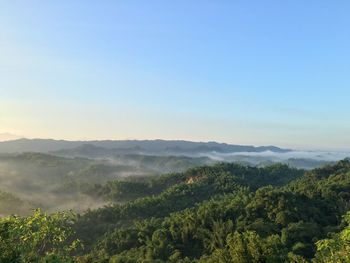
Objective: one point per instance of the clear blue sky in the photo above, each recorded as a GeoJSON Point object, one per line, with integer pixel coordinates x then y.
{"type": "Point", "coordinates": [248, 72]}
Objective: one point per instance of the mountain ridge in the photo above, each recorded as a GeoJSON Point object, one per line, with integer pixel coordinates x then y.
{"type": "Point", "coordinates": [147, 146]}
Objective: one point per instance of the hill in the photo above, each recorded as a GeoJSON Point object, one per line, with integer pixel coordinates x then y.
{"type": "Point", "coordinates": [221, 213]}
{"type": "Point", "coordinates": [55, 182]}
{"type": "Point", "coordinates": [131, 146]}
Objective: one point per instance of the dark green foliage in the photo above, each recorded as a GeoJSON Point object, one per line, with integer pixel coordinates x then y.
{"type": "Point", "coordinates": [182, 191]}
{"type": "Point", "coordinates": [222, 213]}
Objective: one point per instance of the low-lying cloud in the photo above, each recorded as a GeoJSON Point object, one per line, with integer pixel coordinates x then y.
{"type": "Point", "coordinates": [277, 156]}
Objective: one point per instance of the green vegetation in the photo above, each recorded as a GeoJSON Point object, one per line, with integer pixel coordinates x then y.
{"type": "Point", "coordinates": [221, 213]}
{"type": "Point", "coordinates": [56, 183]}
{"type": "Point", "coordinates": [336, 248]}
{"type": "Point", "coordinates": [37, 238]}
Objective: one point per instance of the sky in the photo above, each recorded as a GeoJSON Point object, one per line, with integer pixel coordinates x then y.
{"type": "Point", "coordinates": [243, 72]}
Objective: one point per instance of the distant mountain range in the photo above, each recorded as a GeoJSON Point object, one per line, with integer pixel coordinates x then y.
{"type": "Point", "coordinates": [108, 147]}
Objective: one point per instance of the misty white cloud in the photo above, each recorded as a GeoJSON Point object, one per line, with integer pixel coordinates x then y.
{"type": "Point", "coordinates": [274, 156]}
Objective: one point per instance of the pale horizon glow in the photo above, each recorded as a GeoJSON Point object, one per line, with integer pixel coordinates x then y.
{"type": "Point", "coordinates": [249, 73]}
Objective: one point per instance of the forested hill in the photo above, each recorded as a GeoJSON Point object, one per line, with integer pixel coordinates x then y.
{"type": "Point", "coordinates": [221, 213]}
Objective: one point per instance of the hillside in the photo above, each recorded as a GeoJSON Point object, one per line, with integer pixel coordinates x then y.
{"type": "Point", "coordinates": [220, 213]}
{"type": "Point", "coordinates": [55, 183]}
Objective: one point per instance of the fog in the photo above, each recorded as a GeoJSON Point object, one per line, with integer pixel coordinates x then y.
{"type": "Point", "coordinates": [31, 180]}
{"type": "Point", "coordinates": [275, 156]}
{"type": "Point", "coordinates": [53, 183]}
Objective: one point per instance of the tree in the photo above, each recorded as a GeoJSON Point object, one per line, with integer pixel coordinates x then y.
{"type": "Point", "coordinates": [336, 249]}
{"type": "Point", "coordinates": [37, 238]}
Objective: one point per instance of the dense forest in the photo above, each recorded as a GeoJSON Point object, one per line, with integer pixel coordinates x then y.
{"type": "Point", "coordinates": [82, 178]}
{"type": "Point", "coordinates": [221, 213]}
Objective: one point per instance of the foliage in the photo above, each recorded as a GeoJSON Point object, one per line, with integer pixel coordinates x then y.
{"type": "Point", "coordinates": [37, 237]}
{"type": "Point", "coordinates": [221, 213]}
{"type": "Point", "coordinates": [337, 248]}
